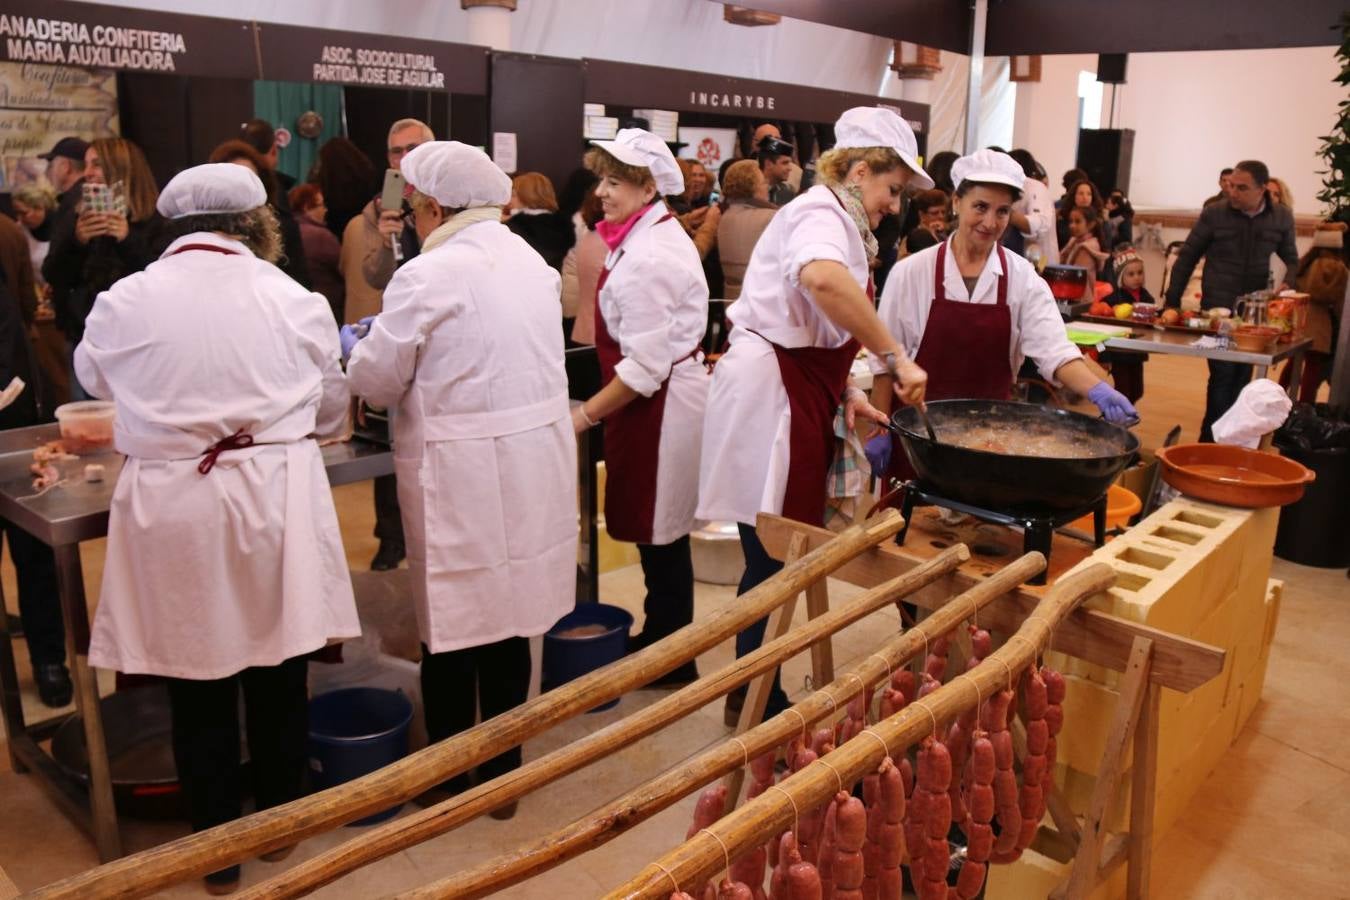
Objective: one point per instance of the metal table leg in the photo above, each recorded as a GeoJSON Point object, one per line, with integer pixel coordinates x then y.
{"type": "Point", "coordinates": [11, 703]}
{"type": "Point", "coordinates": [588, 569]}
{"type": "Point", "coordinates": [1295, 373]}
{"type": "Point", "coordinates": [103, 814]}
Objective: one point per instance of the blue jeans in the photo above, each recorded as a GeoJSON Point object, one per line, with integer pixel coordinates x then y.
{"type": "Point", "coordinates": [1226, 381]}
{"type": "Point", "coordinates": [759, 567]}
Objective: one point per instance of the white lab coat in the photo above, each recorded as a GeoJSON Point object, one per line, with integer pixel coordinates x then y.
{"type": "Point", "coordinates": [747, 429]}
{"type": "Point", "coordinates": [469, 352]}
{"type": "Point", "coordinates": [209, 574]}
{"type": "Point", "coordinates": [1037, 328]}
{"type": "Point", "coordinates": [655, 305]}
{"type": "Point", "coordinates": [1039, 208]}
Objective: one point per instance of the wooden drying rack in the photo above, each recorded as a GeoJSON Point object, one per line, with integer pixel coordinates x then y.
{"type": "Point", "coordinates": [1149, 658]}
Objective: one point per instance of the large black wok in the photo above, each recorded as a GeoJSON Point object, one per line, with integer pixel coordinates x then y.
{"type": "Point", "coordinates": [1017, 485]}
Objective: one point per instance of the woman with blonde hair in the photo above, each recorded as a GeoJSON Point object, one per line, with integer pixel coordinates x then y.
{"type": "Point", "coordinates": [116, 233]}
{"type": "Point", "coordinates": [1279, 192]}
{"type": "Point", "coordinates": [651, 309]}
{"type": "Point", "coordinates": [805, 307]}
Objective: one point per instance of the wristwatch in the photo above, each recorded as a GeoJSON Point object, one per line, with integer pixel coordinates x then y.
{"type": "Point", "coordinates": [890, 359]}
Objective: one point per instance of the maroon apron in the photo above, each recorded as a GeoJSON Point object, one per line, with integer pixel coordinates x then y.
{"type": "Point", "coordinates": [632, 438]}
{"type": "Point", "coordinates": [814, 378]}
{"type": "Point", "coordinates": [964, 350]}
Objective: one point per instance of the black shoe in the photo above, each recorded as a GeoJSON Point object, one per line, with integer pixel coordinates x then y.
{"type": "Point", "coordinates": [505, 811]}
{"type": "Point", "coordinates": [390, 554]}
{"type": "Point", "coordinates": [53, 684]}
{"type": "Point", "coordinates": [685, 675]}
{"type": "Point", "coordinates": [226, 881]}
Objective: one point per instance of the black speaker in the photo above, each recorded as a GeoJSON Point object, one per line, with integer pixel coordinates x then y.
{"type": "Point", "coordinates": [1106, 155]}
{"type": "Point", "coordinates": [1111, 67]}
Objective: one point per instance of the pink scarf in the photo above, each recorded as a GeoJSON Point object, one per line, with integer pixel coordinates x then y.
{"type": "Point", "coordinates": [612, 234]}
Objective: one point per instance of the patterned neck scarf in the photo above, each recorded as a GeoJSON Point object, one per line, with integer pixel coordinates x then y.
{"type": "Point", "coordinates": [850, 196]}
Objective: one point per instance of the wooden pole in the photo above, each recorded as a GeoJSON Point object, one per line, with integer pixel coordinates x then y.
{"type": "Point", "coordinates": [1143, 783]}
{"type": "Point", "coordinates": [646, 801]}
{"type": "Point", "coordinates": [406, 831]}
{"type": "Point", "coordinates": [758, 820]}
{"type": "Point", "coordinates": [207, 851]}
{"type": "Point", "coordinates": [1133, 689]}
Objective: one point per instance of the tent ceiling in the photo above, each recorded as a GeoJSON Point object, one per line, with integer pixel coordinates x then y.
{"type": "Point", "coordinates": [1081, 26]}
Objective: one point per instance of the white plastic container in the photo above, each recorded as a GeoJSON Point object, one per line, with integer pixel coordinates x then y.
{"type": "Point", "coordinates": [86, 426]}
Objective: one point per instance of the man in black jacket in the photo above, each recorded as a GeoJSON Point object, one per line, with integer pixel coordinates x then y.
{"type": "Point", "coordinates": [65, 172]}
{"type": "Point", "coordinates": [1236, 238]}
{"type": "Point", "coordinates": [34, 562]}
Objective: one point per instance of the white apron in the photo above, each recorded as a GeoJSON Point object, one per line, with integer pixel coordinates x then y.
{"type": "Point", "coordinates": [469, 350]}
{"type": "Point", "coordinates": [208, 574]}
{"type": "Point", "coordinates": [747, 431]}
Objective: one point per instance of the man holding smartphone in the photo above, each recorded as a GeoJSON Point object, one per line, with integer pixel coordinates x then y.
{"type": "Point", "coordinates": [374, 244]}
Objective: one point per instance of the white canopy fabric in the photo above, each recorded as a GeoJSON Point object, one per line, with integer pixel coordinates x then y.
{"type": "Point", "coordinates": [679, 34]}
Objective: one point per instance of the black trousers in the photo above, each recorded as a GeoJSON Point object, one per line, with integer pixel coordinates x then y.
{"type": "Point", "coordinates": [668, 571]}
{"type": "Point", "coordinates": [388, 517]}
{"type": "Point", "coordinates": [1226, 381]}
{"type": "Point", "coordinates": [39, 603]}
{"type": "Point", "coordinates": [457, 684]}
{"type": "Point", "coordinates": [206, 739]}
{"type": "Point", "coordinates": [759, 567]}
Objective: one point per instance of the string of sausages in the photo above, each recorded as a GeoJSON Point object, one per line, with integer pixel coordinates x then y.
{"type": "Point", "coordinates": [852, 847]}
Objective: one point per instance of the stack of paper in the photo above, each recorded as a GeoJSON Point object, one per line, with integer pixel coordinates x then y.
{"type": "Point", "coordinates": [663, 123]}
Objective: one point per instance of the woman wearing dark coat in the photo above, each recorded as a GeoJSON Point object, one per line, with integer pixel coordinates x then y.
{"type": "Point", "coordinates": [534, 216]}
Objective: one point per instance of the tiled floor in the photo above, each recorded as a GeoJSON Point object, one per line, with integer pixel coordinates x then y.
{"type": "Point", "coordinates": [1272, 822]}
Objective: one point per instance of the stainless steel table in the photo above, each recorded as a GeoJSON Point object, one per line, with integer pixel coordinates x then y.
{"type": "Point", "coordinates": [1152, 340]}
{"type": "Point", "coordinates": [62, 518]}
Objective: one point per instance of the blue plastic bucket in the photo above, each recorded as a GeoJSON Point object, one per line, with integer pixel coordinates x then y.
{"type": "Point", "coordinates": [570, 656]}
{"type": "Point", "coordinates": [353, 732]}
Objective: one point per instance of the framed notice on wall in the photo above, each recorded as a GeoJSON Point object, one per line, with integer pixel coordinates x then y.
{"type": "Point", "coordinates": [710, 146]}
{"type": "Point", "coordinates": [39, 105]}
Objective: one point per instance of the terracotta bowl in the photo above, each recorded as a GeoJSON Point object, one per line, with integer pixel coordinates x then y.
{"type": "Point", "coordinates": [1255, 338]}
{"type": "Point", "coordinates": [1233, 476]}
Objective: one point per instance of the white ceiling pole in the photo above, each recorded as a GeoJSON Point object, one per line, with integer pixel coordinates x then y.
{"type": "Point", "coordinates": [977, 29]}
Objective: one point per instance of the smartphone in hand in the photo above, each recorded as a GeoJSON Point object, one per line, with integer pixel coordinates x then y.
{"type": "Point", "coordinates": [391, 197]}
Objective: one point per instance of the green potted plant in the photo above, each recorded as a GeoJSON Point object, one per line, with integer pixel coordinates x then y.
{"type": "Point", "coordinates": [1335, 149]}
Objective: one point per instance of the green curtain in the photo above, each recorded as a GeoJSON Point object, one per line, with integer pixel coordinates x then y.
{"type": "Point", "coordinates": [282, 102]}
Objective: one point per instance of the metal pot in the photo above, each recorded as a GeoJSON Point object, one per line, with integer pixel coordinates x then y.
{"type": "Point", "coordinates": [1000, 482]}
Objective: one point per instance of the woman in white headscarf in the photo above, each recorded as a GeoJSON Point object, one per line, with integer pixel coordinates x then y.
{"type": "Point", "coordinates": [651, 309]}
{"type": "Point", "coordinates": [468, 353]}
{"type": "Point", "coordinates": [805, 308]}
{"type": "Point", "coordinates": [225, 565]}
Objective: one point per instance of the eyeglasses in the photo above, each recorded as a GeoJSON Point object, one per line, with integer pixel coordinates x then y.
{"type": "Point", "coordinates": [405, 149]}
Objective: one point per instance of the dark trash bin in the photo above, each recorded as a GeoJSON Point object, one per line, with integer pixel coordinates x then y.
{"type": "Point", "coordinates": [1315, 531]}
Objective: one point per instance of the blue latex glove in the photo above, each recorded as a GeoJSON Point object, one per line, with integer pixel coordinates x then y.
{"type": "Point", "coordinates": [348, 335]}
{"type": "Point", "coordinates": [878, 453]}
{"type": "Point", "coordinates": [1112, 403]}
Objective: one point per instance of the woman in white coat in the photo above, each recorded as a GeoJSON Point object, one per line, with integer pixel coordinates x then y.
{"type": "Point", "coordinates": [468, 353]}
{"type": "Point", "coordinates": [805, 306]}
{"type": "Point", "coordinates": [970, 312]}
{"type": "Point", "coordinates": [651, 310]}
{"type": "Point", "coordinates": [225, 566]}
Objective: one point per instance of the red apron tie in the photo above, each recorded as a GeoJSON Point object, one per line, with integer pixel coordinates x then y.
{"type": "Point", "coordinates": [237, 441]}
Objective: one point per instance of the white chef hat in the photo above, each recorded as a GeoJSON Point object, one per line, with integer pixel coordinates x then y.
{"type": "Point", "coordinates": [989, 167]}
{"type": "Point", "coordinates": [876, 126]}
{"type": "Point", "coordinates": [209, 189]}
{"type": "Point", "coordinates": [637, 147]}
{"type": "Point", "coordinates": [456, 175]}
